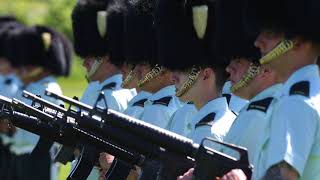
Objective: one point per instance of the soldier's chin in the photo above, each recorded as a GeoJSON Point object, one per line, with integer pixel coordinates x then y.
{"type": "Point", "coordinates": [232, 82]}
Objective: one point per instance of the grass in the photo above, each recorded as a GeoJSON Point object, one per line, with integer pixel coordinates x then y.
{"type": "Point", "coordinates": [64, 171]}
{"type": "Point", "coordinates": [75, 84]}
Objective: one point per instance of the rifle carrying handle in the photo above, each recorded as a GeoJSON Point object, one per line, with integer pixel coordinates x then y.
{"type": "Point", "coordinates": [218, 164]}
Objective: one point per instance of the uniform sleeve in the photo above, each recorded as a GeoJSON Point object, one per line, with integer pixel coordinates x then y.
{"type": "Point", "coordinates": [157, 115]}
{"type": "Point", "coordinates": [203, 132]}
{"type": "Point", "coordinates": [293, 130]}
{"type": "Point", "coordinates": [118, 100]}
{"type": "Point", "coordinates": [134, 111]}
{"type": "Point", "coordinates": [111, 102]}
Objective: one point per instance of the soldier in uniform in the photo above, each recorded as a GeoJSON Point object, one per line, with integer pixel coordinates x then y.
{"type": "Point", "coordinates": [289, 41]}
{"type": "Point", "coordinates": [161, 105]}
{"type": "Point", "coordinates": [10, 84]}
{"type": "Point", "coordinates": [156, 102]}
{"type": "Point", "coordinates": [261, 91]}
{"type": "Point", "coordinates": [199, 77]}
{"type": "Point", "coordinates": [9, 80]}
{"type": "Point", "coordinates": [42, 54]}
{"type": "Point", "coordinates": [185, 35]}
{"type": "Point", "coordinates": [97, 39]}
{"type": "Point", "coordinates": [137, 48]}
{"type": "Point", "coordinates": [98, 28]}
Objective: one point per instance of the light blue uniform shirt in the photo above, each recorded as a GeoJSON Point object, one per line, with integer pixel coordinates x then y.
{"type": "Point", "coordinates": [136, 105]}
{"type": "Point", "coordinates": [24, 141]}
{"type": "Point", "coordinates": [213, 120]}
{"type": "Point", "coordinates": [2, 77]}
{"type": "Point", "coordinates": [116, 97]}
{"type": "Point", "coordinates": [90, 95]}
{"type": "Point", "coordinates": [10, 85]}
{"type": "Point", "coordinates": [159, 107]}
{"type": "Point", "coordinates": [235, 103]}
{"type": "Point", "coordinates": [295, 126]}
{"type": "Point", "coordinates": [250, 129]}
{"type": "Point", "coordinates": [181, 121]}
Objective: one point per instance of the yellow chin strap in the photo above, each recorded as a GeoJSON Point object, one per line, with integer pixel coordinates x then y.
{"type": "Point", "coordinates": [283, 47]}
{"type": "Point", "coordinates": [97, 63]}
{"type": "Point", "coordinates": [155, 71]}
{"type": "Point", "coordinates": [192, 77]}
{"type": "Point", "coordinates": [250, 74]}
{"type": "Point", "coordinates": [128, 79]}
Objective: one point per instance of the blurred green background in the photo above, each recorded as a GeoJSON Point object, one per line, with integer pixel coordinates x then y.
{"type": "Point", "coordinates": [56, 14]}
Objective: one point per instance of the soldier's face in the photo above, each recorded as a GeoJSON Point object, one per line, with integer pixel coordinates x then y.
{"type": "Point", "coordinates": [267, 40]}
{"type": "Point", "coordinates": [179, 78]}
{"type": "Point", "coordinates": [141, 70]}
{"type": "Point", "coordinates": [237, 69]}
{"type": "Point", "coordinates": [125, 69]}
{"type": "Point", "coordinates": [5, 66]}
{"type": "Point", "coordinates": [97, 70]}
{"type": "Point", "coordinates": [88, 63]}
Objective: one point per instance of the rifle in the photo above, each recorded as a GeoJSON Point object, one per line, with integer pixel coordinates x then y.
{"type": "Point", "coordinates": [153, 142]}
{"type": "Point", "coordinates": [90, 123]}
{"type": "Point", "coordinates": [208, 162]}
{"type": "Point", "coordinates": [63, 133]}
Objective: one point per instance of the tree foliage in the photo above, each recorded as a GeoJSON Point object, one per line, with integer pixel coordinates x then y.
{"type": "Point", "coordinates": [53, 13]}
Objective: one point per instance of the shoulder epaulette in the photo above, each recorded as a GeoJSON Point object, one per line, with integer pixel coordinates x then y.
{"type": "Point", "coordinates": [301, 88]}
{"type": "Point", "coordinates": [261, 105]}
{"type": "Point", "coordinates": [140, 103]}
{"type": "Point", "coordinates": [228, 97]}
{"type": "Point", "coordinates": [109, 86]}
{"type": "Point", "coordinates": [8, 81]}
{"type": "Point", "coordinates": [163, 101]}
{"type": "Point", "coordinates": [236, 114]}
{"type": "Point", "coordinates": [207, 120]}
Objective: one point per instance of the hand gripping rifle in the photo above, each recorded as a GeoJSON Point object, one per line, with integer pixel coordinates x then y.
{"type": "Point", "coordinates": [51, 127]}
{"type": "Point", "coordinates": [156, 143]}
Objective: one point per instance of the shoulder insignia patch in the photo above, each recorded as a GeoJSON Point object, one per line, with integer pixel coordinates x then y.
{"type": "Point", "coordinates": [140, 103]}
{"type": "Point", "coordinates": [109, 86]}
{"type": "Point", "coordinates": [163, 101]}
{"type": "Point", "coordinates": [207, 120]}
{"type": "Point", "coordinates": [228, 97]}
{"type": "Point", "coordinates": [301, 88]}
{"type": "Point", "coordinates": [261, 105]}
{"type": "Point", "coordinates": [8, 81]}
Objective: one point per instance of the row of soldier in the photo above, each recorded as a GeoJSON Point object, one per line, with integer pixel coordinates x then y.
{"type": "Point", "coordinates": [30, 59]}
{"type": "Point", "coordinates": [165, 62]}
